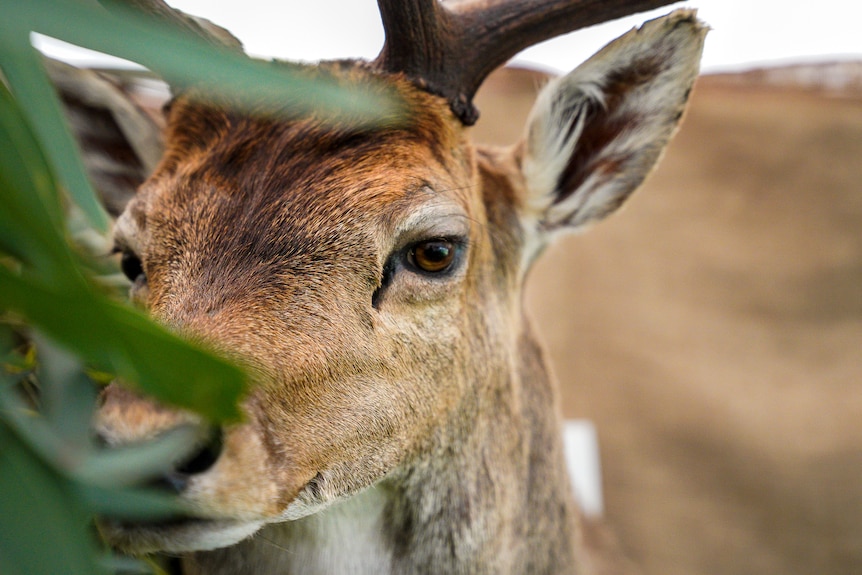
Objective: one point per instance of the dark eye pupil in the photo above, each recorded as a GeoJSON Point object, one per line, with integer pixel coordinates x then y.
{"type": "Point", "coordinates": [434, 256]}
{"type": "Point", "coordinates": [131, 266]}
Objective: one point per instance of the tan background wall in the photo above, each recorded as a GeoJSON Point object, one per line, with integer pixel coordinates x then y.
{"type": "Point", "coordinates": [713, 331]}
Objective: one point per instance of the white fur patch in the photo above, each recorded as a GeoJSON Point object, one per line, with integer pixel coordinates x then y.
{"type": "Point", "coordinates": [344, 537]}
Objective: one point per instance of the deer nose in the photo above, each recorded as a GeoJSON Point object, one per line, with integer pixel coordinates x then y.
{"type": "Point", "coordinates": [198, 461]}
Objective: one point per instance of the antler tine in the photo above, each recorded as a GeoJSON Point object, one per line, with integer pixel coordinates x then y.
{"type": "Point", "coordinates": [451, 49]}
{"type": "Point", "coordinates": [418, 32]}
{"type": "Point", "coordinates": [201, 27]}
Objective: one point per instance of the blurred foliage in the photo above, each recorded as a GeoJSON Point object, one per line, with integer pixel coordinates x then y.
{"type": "Point", "coordinates": [61, 330]}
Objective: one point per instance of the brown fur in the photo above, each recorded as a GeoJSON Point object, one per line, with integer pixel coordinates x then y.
{"type": "Point", "coordinates": [413, 404]}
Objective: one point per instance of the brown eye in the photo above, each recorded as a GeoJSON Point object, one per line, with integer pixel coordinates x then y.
{"type": "Point", "coordinates": [433, 256]}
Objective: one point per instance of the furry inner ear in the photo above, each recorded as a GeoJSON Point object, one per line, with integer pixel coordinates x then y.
{"type": "Point", "coordinates": [595, 134]}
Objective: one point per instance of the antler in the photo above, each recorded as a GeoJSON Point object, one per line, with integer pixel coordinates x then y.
{"type": "Point", "coordinates": [450, 50]}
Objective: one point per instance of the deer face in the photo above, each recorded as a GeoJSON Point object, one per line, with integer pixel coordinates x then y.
{"type": "Point", "coordinates": [339, 267]}
{"type": "Point", "coordinates": [370, 280]}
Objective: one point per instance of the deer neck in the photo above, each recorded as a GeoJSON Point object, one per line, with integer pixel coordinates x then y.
{"type": "Point", "coordinates": [491, 498]}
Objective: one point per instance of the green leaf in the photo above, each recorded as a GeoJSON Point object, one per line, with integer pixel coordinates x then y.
{"type": "Point", "coordinates": [128, 503]}
{"type": "Point", "coordinates": [22, 66]}
{"type": "Point", "coordinates": [117, 338]}
{"type": "Point", "coordinates": [53, 294]}
{"type": "Point", "coordinates": [130, 566]}
{"type": "Point", "coordinates": [30, 215]}
{"type": "Point", "coordinates": [68, 396]}
{"type": "Point", "coordinates": [130, 465]}
{"type": "Point", "coordinates": [187, 59]}
{"type": "Point", "coordinates": [42, 530]}
{"type": "Point", "coordinates": [41, 439]}
{"type": "Point", "coordinates": [179, 58]}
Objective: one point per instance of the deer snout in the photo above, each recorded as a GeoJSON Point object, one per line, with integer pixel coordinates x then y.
{"type": "Point", "coordinates": [199, 461]}
{"type": "Point", "coordinates": [126, 418]}
{"type": "Point", "coordinates": [229, 474]}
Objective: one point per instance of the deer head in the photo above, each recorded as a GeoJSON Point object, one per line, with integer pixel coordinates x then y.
{"type": "Point", "coordinates": [402, 419]}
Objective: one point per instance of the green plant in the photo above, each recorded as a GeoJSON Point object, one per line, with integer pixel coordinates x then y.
{"type": "Point", "coordinates": [75, 330]}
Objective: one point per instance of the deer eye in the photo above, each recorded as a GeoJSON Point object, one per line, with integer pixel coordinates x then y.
{"type": "Point", "coordinates": [131, 265]}
{"type": "Point", "coordinates": [433, 256]}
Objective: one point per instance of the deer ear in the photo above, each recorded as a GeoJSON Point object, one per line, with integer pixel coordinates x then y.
{"type": "Point", "coordinates": [595, 134]}
{"type": "Point", "coordinates": [119, 142]}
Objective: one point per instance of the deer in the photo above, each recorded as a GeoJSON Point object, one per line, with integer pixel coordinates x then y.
{"type": "Point", "coordinates": [403, 417]}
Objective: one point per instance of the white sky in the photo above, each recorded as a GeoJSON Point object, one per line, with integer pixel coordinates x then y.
{"type": "Point", "coordinates": [744, 32]}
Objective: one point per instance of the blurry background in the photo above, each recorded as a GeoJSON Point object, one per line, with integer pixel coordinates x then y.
{"type": "Point", "coordinates": [713, 328]}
